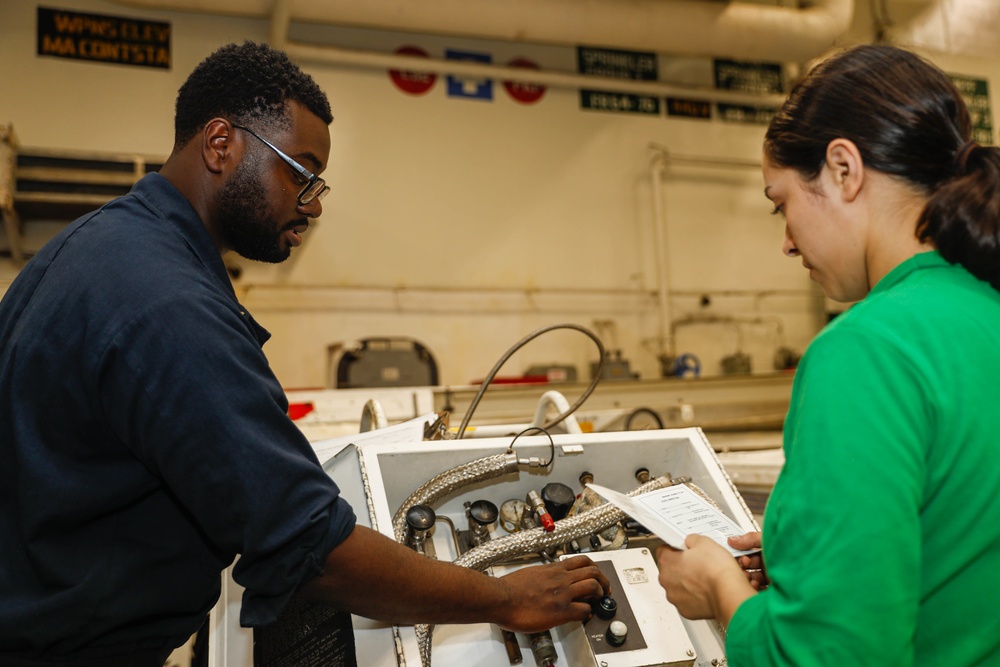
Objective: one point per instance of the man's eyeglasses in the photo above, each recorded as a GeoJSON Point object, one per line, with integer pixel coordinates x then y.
{"type": "Point", "coordinates": [316, 188]}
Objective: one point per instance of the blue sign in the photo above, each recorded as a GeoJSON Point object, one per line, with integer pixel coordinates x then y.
{"type": "Point", "coordinates": [469, 88]}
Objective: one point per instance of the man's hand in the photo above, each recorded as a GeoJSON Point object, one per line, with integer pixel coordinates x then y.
{"type": "Point", "coordinates": [703, 581]}
{"type": "Point", "coordinates": [752, 565]}
{"type": "Point", "coordinates": [544, 596]}
{"type": "Point", "coordinates": [373, 576]}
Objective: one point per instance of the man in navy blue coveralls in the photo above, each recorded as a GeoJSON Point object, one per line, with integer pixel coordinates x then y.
{"type": "Point", "coordinates": [144, 441]}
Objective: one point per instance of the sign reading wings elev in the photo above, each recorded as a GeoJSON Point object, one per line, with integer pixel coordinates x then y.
{"type": "Point", "coordinates": [103, 38]}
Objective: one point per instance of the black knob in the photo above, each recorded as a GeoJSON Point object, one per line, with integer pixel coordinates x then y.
{"type": "Point", "coordinates": [558, 499]}
{"type": "Point", "coordinates": [420, 518]}
{"type": "Point", "coordinates": [483, 512]}
{"type": "Point", "coordinates": [606, 607]}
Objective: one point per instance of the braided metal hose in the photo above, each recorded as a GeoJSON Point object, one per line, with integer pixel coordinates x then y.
{"type": "Point", "coordinates": [536, 539]}
{"type": "Point", "coordinates": [450, 480]}
{"type": "Point", "coordinates": [588, 501]}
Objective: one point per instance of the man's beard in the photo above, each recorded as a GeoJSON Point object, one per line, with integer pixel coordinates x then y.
{"type": "Point", "coordinates": [245, 218]}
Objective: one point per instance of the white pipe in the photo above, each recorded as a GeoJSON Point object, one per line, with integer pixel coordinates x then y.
{"type": "Point", "coordinates": [281, 21]}
{"type": "Point", "coordinates": [657, 167]}
{"type": "Point", "coordinates": [732, 29]}
{"type": "Point", "coordinates": [550, 78]}
{"type": "Point", "coordinates": [704, 161]}
{"type": "Point", "coordinates": [958, 28]}
{"type": "Point", "coordinates": [556, 400]}
{"type": "Point", "coordinates": [11, 221]}
{"type": "Point", "coordinates": [373, 416]}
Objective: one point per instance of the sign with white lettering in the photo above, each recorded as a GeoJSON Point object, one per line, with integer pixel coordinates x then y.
{"type": "Point", "coordinates": [522, 91]}
{"type": "Point", "coordinates": [747, 77]}
{"type": "Point", "coordinates": [745, 113]}
{"type": "Point", "coordinates": [617, 64]}
{"type": "Point", "coordinates": [409, 81]}
{"type": "Point", "coordinates": [108, 39]}
{"type": "Point", "coordinates": [601, 100]}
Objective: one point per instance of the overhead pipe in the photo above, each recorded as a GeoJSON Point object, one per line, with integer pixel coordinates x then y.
{"type": "Point", "coordinates": [549, 78]}
{"type": "Point", "coordinates": [281, 21]}
{"type": "Point", "coordinates": [688, 27]}
{"type": "Point", "coordinates": [957, 28]}
{"type": "Point", "coordinates": [738, 30]}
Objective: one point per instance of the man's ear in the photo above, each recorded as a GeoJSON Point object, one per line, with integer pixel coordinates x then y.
{"type": "Point", "coordinates": [217, 147]}
{"type": "Point", "coordinates": [847, 169]}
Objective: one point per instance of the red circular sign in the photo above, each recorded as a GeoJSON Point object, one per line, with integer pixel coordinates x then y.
{"type": "Point", "coordinates": [524, 92]}
{"type": "Point", "coordinates": [414, 83]}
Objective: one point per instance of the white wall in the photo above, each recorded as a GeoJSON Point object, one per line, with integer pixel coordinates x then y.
{"type": "Point", "coordinates": [464, 224]}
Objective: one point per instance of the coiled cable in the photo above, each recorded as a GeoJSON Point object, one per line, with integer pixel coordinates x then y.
{"type": "Point", "coordinates": [517, 346]}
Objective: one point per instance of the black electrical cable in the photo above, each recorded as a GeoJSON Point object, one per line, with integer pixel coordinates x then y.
{"type": "Point", "coordinates": [539, 429]}
{"type": "Point", "coordinates": [640, 412]}
{"type": "Point", "coordinates": [517, 346]}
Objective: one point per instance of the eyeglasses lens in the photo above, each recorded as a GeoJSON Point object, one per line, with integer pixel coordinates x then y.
{"type": "Point", "coordinates": [315, 190]}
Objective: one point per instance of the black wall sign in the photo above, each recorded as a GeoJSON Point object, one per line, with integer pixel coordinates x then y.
{"type": "Point", "coordinates": [679, 106]}
{"type": "Point", "coordinates": [101, 38]}
{"type": "Point", "coordinates": [616, 63]}
{"type": "Point", "coordinates": [748, 77]}
{"type": "Point", "coordinates": [602, 100]}
{"type": "Point", "coordinates": [976, 93]}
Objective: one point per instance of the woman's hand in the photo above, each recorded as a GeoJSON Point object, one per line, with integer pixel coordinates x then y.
{"type": "Point", "coordinates": [704, 580]}
{"type": "Point", "coordinates": [753, 565]}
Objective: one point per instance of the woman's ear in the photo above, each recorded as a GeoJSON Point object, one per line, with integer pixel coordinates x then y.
{"type": "Point", "coordinates": [843, 159]}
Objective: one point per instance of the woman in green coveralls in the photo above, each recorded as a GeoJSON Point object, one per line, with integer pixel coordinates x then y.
{"type": "Point", "coordinates": [882, 535]}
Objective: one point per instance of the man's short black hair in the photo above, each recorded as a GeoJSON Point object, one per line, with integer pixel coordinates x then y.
{"type": "Point", "coordinates": [245, 83]}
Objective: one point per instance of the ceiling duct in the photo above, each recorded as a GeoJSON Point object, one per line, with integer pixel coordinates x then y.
{"type": "Point", "coordinates": [733, 29]}
{"type": "Point", "coordinates": [967, 28]}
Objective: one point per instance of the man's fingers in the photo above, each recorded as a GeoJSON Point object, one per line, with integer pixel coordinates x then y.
{"type": "Point", "coordinates": [576, 562]}
{"type": "Point", "coordinates": [587, 589]}
{"type": "Point", "coordinates": [581, 611]}
{"type": "Point", "coordinates": [582, 569]}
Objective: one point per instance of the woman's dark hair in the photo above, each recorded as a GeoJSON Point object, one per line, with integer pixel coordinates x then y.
{"type": "Point", "coordinates": [907, 119]}
{"type": "Point", "coordinates": [247, 83]}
